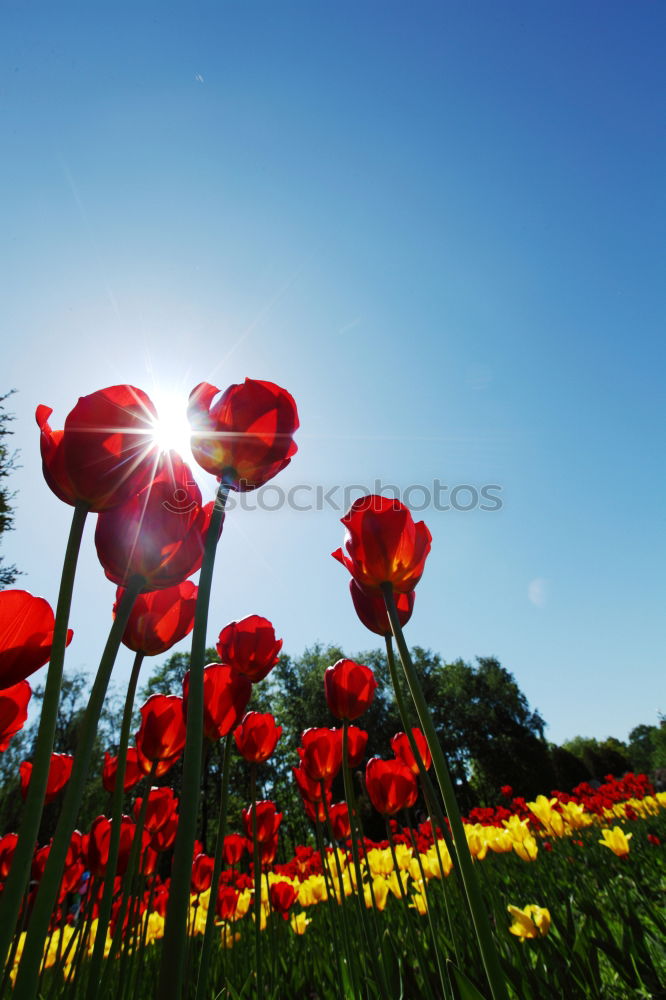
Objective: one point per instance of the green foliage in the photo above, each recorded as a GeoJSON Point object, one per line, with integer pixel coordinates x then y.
{"type": "Point", "coordinates": [601, 758]}
{"type": "Point", "coordinates": [570, 770]}
{"type": "Point", "coordinates": [8, 574]}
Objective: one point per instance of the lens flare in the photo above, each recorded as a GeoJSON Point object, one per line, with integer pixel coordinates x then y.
{"type": "Point", "coordinates": [171, 429]}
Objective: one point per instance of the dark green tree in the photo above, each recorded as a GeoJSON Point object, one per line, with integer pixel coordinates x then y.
{"type": "Point", "coordinates": [601, 758]}
{"type": "Point", "coordinates": [570, 770]}
{"type": "Point", "coordinates": [642, 747]}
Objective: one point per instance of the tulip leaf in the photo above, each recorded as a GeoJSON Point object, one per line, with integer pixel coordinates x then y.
{"type": "Point", "coordinates": [461, 987]}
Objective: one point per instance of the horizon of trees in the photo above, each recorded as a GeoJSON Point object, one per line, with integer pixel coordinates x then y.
{"type": "Point", "coordinates": [488, 731]}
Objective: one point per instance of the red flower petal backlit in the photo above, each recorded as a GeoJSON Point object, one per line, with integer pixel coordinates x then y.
{"type": "Point", "coordinates": [26, 635]}
{"type": "Point", "coordinates": [383, 544]}
{"type": "Point", "coordinates": [245, 438]}
{"type": "Point", "coordinates": [106, 452]}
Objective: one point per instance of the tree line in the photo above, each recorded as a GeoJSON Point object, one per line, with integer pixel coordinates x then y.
{"type": "Point", "coordinates": [490, 735]}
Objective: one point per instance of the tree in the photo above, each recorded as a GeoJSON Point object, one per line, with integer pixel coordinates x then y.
{"type": "Point", "coordinates": [642, 747]}
{"type": "Point", "coordinates": [8, 574]}
{"type": "Point", "coordinates": [601, 758]}
{"type": "Point", "coordinates": [570, 770]}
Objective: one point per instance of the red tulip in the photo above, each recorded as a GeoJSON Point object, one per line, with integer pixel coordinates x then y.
{"type": "Point", "coordinates": [26, 635]}
{"type": "Point", "coordinates": [401, 748]}
{"type": "Point", "coordinates": [133, 773]}
{"type": "Point", "coordinates": [383, 544]}
{"type": "Point", "coordinates": [371, 609]}
{"type": "Point", "coordinates": [245, 438]}
{"type": "Point", "coordinates": [7, 847]}
{"type": "Point", "coordinates": [391, 785]}
{"type": "Point", "coordinates": [256, 737]}
{"type": "Point", "coordinates": [158, 534]}
{"type": "Point", "coordinates": [282, 896]}
{"type": "Point", "coordinates": [38, 864]}
{"type": "Point", "coordinates": [164, 838]}
{"type": "Point", "coordinates": [268, 821]}
{"type": "Point", "coordinates": [161, 737]}
{"type": "Point", "coordinates": [227, 901]}
{"type": "Point", "coordinates": [350, 688]}
{"type": "Point", "coordinates": [250, 647]}
{"type": "Point", "coordinates": [233, 848]}
{"type": "Point", "coordinates": [100, 839]}
{"type": "Point", "coordinates": [149, 860]}
{"type": "Point", "coordinates": [60, 770]}
{"type": "Point", "coordinates": [160, 618]}
{"type": "Point", "coordinates": [357, 740]}
{"type": "Point", "coordinates": [339, 814]}
{"type": "Point", "coordinates": [310, 788]}
{"type": "Point", "coordinates": [13, 711]}
{"type": "Point", "coordinates": [162, 805]}
{"type": "Point", "coordinates": [268, 850]}
{"type": "Point", "coordinates": [202, 872]}
{"type": "Point", "coordinates": [74, 865]}
{"type": "Point", "coordinates": [106, 453]}
{"type": "Point", "coordinates": [322, 753]}
{"type": "Point", "coordinates": [226, 694]}
{"type": "Point", "coordinates": [316, 811]}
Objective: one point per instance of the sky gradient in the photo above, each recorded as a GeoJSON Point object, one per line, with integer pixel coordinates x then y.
{"type": "Point", "coordinates": [441, 227]}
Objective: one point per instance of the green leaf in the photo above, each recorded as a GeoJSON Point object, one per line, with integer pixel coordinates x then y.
{"type": "Point", "coordinates": [461, 987]}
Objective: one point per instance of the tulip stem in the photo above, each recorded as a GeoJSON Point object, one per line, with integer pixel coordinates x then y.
{"type": "Point", "coordinates": [114, 843]}
{"type": "Point", "coordinates": [204, 959]}
{"type": "Point", "coordinates": [257, 886]}
{"type": "Point", "coordinates": [342, 909]}
{"type": "Point", "coordinates": [32, 814]}
{"type": "Point", "coordinates": [174, 945]}
{"type": "Point", "coordinates": [126, 894]}
{"type": "Point", "coordinates": [426, 897]}
{"type": "Point", "coordinates": [416, 944]}
{"type": "Point", "coordinates": [429, 794]}
{"type": "Point", "coordinates": [373, 940]}
{"type": "Point", "coordinates": [26, 980]}
{"type": "Point", "coordinates": [475, 901]}
{"type": "Point", "coordinates": [330, 917]}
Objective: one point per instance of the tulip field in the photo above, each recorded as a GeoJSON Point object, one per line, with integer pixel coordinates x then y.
{"type": "Point", "coordinates": [558, 896]}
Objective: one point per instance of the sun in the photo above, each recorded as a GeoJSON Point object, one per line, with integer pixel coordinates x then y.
{"type": "Point", "coordinates": [171, 429]}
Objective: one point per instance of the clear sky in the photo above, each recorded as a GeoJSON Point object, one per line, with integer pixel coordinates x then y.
{"type": "Point", "coordinates": [440, 226]}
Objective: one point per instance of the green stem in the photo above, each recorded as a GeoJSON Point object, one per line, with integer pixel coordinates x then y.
{"type": "Point", "coordinates": [428, 791]}
{"type": "Point", "coordinates": [257, 888]}
{"type": "Point", "coordinates": [416, 943]}
{"type": "Point", "coordinates": [133, 866]}
{"type": "Point", "coordinates": [342, 909]}
{"type": "Point", "coordinates": [26, 980]}
{"type": "Point", "coordinates": [426, 896]}
{"type": "Point", "coordinates": [328, 910]}
{"type": "Point", "coordinates": [114, 843]}
{"type": "Point", "coordinates": [204, 959]}
{"type": "Point", "coordinates": [10, 902]}
{"type": "Point", "coordinates": [373, 941]}
{"type": "Point", "coordinates": [477, 908]}
{"type": "Point", "coordinates": [174, 944]}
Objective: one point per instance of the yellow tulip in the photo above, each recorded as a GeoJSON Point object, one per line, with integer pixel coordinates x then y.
{"type": "Point", "coordinates": [617, 840]}
{"type": "Point", "coordinates": [527, 848]}
{"type": "Point", "coordinates": [299, 921]}
{"type": "Point", "coordinates": [531, 922]}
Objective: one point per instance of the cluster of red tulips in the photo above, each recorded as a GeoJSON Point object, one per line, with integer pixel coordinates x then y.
{"type": "Point", "coordinates": [153, 533]}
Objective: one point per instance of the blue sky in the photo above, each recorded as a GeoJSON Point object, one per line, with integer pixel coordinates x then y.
{"type": "Point", "coordinates": [440, 226]}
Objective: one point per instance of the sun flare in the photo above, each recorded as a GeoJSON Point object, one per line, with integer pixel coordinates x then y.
{"type": "Point", "coordinates": [171, 429]}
